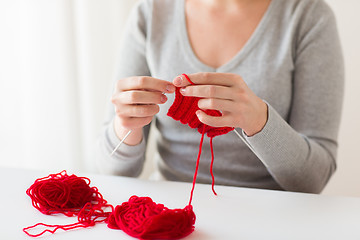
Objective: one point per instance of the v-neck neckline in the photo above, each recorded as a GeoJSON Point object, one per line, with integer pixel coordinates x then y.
{"type": "Point", "coordinates": [237, 58]}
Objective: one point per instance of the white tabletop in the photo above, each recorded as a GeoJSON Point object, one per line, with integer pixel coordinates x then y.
{"type": "Point", "coordinates": [236, 213]}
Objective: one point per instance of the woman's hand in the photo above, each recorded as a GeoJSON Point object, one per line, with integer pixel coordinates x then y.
{"type": "Point", "coordinates": [136, 101]}
{"type": "Point", "coordinates": [229, 94]}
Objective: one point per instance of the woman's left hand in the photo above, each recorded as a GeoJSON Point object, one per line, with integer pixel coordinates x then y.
{"type": "Point", "coordinates": [228, 93]}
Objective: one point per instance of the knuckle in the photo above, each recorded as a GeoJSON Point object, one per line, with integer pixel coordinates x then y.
{"type": "Point", "coordinates": [119, 85]}
{"type": "Point", "coordinates": [245, 98]}
{"type": "Point", "coordinates": [141, 81]}
{"type": "Point", "coordinates": [239, 117]}
{"type": "Point", "coordinates": [205, 75]}
{"type": "Point", "coordinates": [212, 103]}
{"type": "Point", "coordinates": [144, 111]}
{"type": "Point", "coordinates": [201, 103]}
{"type": "Point", "coordinates": [239, 92]}
{"type": "Point", "coordinates": [119, 113]}
{"type": "Point", "coordinates": [208, 121]}
{"type": "Point", "coordinates": [140, 111]}
{"type": "Point", "coordinates": [212, 91]}
{"type": "Point", "coordinates": [232, 75]}
{"type": "Point", "coordinates": [133, 97]}
{"type": "Point", "coordinates": [156, 109]}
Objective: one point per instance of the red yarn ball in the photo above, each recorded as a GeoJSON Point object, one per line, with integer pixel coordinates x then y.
{"type": "Point", "coordinates": [142, 218]}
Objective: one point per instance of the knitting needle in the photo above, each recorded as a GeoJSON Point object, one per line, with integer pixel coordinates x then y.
{"type": "Point", "coordinates": [237, 133]}
{"type": "Point", "coordinates": [251, 148]}
{"type": "Point", "coordinates": [243, 139]}
{"type": "Point", "coordinates": [116, 148]}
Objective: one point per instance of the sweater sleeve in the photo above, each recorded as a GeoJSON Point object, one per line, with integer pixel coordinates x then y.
{"type": "Point", "coordinates": [300, 153]}
{"type": "Point", "coordinates": [127, 160]}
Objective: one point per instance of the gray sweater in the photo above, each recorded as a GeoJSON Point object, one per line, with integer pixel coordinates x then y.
{"type": "Point", "coordinates": [293, 61]}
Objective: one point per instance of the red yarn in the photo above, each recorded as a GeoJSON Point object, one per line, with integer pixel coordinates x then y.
{"type": "Point", "coordinates": [142, 218]}
{"type": "Point", "coordinates": [197, 166]}
{"type": "Point", "coordinates": [184, 108]}
{"type": "Point", "coordinates": [69, 195]}
{"type": "Point", "coordinates": [211, 166]}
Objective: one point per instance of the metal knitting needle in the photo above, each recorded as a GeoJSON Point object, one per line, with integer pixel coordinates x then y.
{"type": "Point", "coordinates": [251, 148]}
{"type": "Point", "coordinates": [116, 148]}
{"type": "Point", "coordinates": [237, 133]}
{"type": "Point", "coordinates": [243, 139]}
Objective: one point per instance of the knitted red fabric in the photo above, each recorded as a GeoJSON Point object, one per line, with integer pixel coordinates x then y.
{"type": "Point", "coordinates": [183, 109]}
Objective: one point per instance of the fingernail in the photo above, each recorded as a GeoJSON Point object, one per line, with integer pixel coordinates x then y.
{"type": "Point", "coordinates": [182, 90]}
{"type": "Point", "coordinates": [163, 98]}
{"type": "Point", "coordinates": [177, 81]}
{"type": "Point", "coordinates": [170, 88]}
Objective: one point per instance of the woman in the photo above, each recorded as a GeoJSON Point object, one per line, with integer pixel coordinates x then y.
{"type": "Point", "coordinates": [273, 68]}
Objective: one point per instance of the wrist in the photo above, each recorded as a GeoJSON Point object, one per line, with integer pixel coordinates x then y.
{"type": "Point", "coordinates": [133, 139]}
{"type": "Point", "coordinates": [260, 121]}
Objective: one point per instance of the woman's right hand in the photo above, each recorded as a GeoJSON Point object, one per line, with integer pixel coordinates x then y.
{"type": "Point", "coordinates": [136, 101]}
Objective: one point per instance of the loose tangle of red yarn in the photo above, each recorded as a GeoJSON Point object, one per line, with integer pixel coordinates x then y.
{"type": "Point", "coordinates": [142, 218]}
{"type": "Point", "coordinates": [69, 195]}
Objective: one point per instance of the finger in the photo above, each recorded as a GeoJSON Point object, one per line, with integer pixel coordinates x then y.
{"type": "Point", "coordinates": [137, 110]}
{"type": "Point", "coordinates": [182, 80]}
{"type": "Point", "coordinates": [145, 83]}
{"type": "Point", "coordinates": [216, 104]}
{"type": "Point", "coordinates": [207, 91]}
{"type": "Point", "coordinates": [223, 79]}
{"type": "Point", "coordinates": [139, 97]}
{"type": "Point", "coordinates": [134, 122]}
{"type": "Point", "coordinates": [214, 121]}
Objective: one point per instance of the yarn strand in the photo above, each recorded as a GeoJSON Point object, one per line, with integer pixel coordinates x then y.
{"type": "Point", "coordinates": [211, 166]}
{"type": "Point", "coordinates": [55, 228]}
{"type": "Point", "coordinates": [197, 166]}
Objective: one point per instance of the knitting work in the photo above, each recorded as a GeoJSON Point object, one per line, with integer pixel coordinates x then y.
{"type": "Point", "coordinates": [184, 108]}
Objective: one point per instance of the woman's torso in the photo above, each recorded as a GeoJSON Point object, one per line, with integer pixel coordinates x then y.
{"type": "Point", "coordinates": [264, 58]}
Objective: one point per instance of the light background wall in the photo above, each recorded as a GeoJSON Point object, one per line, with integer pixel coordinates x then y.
{"type": "Point", "coordinates": [346, 180]}
{"type": "Point", "coordinates": [57, 62]}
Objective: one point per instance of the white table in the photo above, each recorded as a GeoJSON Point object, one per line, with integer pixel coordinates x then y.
{"type": "Point", "coordinates": [236, 213]}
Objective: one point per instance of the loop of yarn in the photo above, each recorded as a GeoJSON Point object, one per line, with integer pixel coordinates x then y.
{"type": "Point", "coordinates": [142, 218]}
{"type": "Point", "coordinates": [69, 195]}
